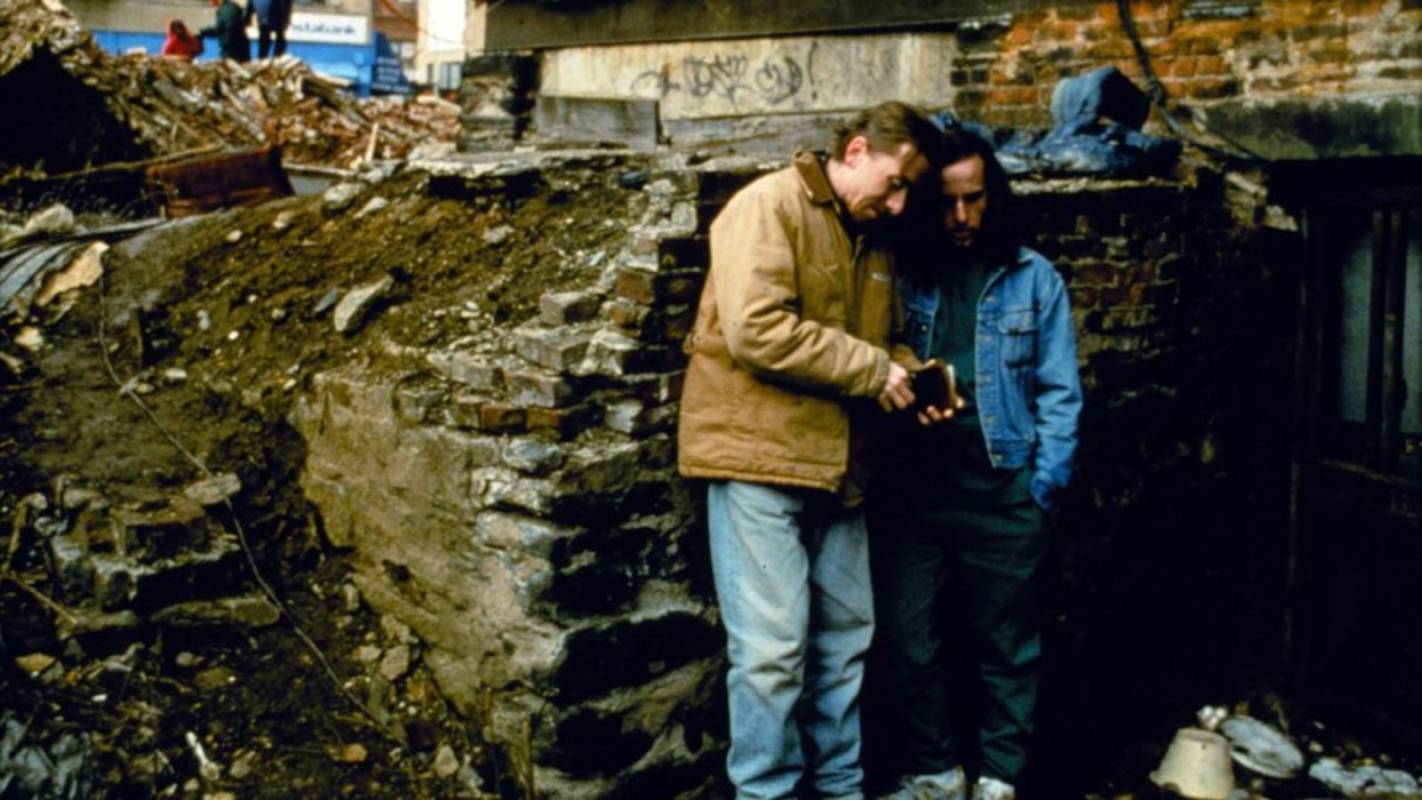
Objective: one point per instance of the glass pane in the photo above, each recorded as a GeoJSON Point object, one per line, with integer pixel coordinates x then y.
{"type": "Point", "coordinates": [1412, 328]}
{"type": "Point", "coordinates": [1351, 254]}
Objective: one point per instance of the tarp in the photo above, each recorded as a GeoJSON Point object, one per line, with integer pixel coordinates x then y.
{"type": "Point", "coordinates": [1081, 141]}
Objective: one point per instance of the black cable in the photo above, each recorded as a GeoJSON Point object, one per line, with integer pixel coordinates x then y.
{"type": "Point", "coordinates": [1155, 89]}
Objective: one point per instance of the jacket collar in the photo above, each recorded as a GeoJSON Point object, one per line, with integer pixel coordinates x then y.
{"type": "Point", "coordinates": [814, 180]}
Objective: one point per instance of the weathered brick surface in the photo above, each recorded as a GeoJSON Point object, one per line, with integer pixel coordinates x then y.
{"type": "Point", "coordinates": [1286, 47]}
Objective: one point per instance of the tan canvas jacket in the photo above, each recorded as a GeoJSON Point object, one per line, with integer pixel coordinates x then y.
{"type": "Point", "coordinates": [790, 338]}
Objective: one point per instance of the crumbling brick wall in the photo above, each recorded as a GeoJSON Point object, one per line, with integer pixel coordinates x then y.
{"type": "Point", "coordinates": [1202, 52]}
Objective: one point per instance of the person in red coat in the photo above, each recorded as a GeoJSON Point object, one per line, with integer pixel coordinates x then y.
{"type": "Point", "coordinates": [181, 43]}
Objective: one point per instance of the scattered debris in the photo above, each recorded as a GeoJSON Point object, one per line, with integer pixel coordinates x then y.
{"type": "Point", "coordinates": [358, 303]}
{"type": "Point", "coordinates": [1196, 766]}
{"type": "Point", "coordinates": [373, 205]}
{"type": "Point", "coordinates": [1364, 780]}
{"type": "Point", "coordinates": [52, 220]}
{"type": "Point", "coordinates": [35, 663]}
{"type": "Point", "coordinates": [30, 338]}
{"type": "Point", "coordinates": [168, 106]}
{"type": "Point", "coordinates": [39, 769]}
{"type": "Point", "coordinates": [349, 754]}
{"type": "Point", "coordinates": [213, 490]}
{"type": "Point", "coordinates": [208, 768]}
{"type": "Point", "coordinates": [1261, 748]}
{"type": "Point", "coordinates": [340, 196]}
{"type": "Point", "coordinates": [84, 269]}
{"type": "Point", "coordinates": [446, 762]}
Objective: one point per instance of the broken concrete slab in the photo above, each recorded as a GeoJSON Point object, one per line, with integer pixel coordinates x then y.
{"type": "Point", "coordinates": [356, 306]}
{"type": "Point", "coordinates": [630, 123]}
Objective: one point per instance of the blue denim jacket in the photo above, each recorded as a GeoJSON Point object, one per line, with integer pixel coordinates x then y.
{"type": "Point", "coordinates": [1028, 389]}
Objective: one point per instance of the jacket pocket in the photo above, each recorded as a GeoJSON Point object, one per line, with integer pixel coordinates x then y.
{"type": "Point", "coordinates": [1018, 334]}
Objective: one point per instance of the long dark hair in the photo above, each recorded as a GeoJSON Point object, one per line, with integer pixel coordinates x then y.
{"type": "Point", "coordinates": [998, 239]}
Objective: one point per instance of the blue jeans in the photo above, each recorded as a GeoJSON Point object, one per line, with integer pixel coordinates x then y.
{"type": "Point", "coordinates": [792, 578]}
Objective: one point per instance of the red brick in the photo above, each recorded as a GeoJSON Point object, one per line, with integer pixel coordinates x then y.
{"type": "Point", "coordinates": [1109, 51]}
{"type": "Point", "coordinates": [1368, 10]}
{"type": "Point", "coordinates": [1093, 273]}
{"type": "Point", "coordinates": [500, 418]}
{"type": "Point", "coordinates": [565, 422]}
{"type": "Point", "coordinates": [1083, 297]}
{"type": "Point", "coordinates": [1018, 37]}
{"type": "Point", "coordinates": [1195, 46]}
{"type": "Point", "coordinates": [1332, 54]}
{"type": "Point", "coordinates": [1210, 88]}
{"type": "Point", "coordinates": [627, 314]}
{"type": "Point", "coordinates": [1211, 65]}
{"type": "Point", "coordinates": [638, 285]}
{"type": "Point", "coordinates": [1016, 96]}
{"type": "Point", "coordinates": [1081, 13]}
{"type": "Point", "coordinates": [1141, 10]}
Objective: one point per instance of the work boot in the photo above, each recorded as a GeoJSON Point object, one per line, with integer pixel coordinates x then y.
{"type": "Point", "coordinates": [949, 785]}
{"type": "Point", "coordinates": [993, 789]}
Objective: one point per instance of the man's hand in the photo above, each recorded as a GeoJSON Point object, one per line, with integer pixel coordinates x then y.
{"type": "Point", "coordinates": [896, 394]}
{"type": "Point", "coordinates": [932, 415]}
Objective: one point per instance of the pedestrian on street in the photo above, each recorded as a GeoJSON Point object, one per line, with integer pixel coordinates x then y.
{"type": "Point", "coordinates": [230, 28]}
{"type": "Point", "coordinates": [789, 356]}
{"type": "Point", "coordinates": [273, 17]}
{"type": "Point", "coordinates": [959, 515]}
{"type": "Point", "coordinates": [181, 43]}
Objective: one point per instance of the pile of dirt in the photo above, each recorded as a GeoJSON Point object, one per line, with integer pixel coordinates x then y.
{"type": "Point", "coordinates": [210, 327]}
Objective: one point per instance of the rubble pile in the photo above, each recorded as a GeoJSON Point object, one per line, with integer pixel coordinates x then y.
{"type": "Point", "coordinates": [176, 106]}
{"type": "Point", "coordinates": [133, 615]}
{"type": "Point", "coordinates": [167, 106]}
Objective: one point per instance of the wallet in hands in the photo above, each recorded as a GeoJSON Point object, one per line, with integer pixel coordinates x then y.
{"type": "Point", "coordinates": [935, 385]}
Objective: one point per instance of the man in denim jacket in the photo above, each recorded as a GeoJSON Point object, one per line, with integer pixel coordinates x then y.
{"type": "Point", "coordinates": [959, 522]}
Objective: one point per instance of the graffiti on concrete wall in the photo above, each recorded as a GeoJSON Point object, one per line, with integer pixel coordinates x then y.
{"type": "Point", "coordinates": [728, 78]}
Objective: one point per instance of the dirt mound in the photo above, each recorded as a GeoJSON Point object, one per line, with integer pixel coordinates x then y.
{"type": "Point", "coordinates": [190, 685]}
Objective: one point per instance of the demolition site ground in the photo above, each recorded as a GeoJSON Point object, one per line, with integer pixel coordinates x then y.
{"type": "Point", "coordinates": [198, 338]}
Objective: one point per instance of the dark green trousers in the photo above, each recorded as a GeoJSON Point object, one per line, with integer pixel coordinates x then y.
{"type": "Point", "coordinates": [975, 571]}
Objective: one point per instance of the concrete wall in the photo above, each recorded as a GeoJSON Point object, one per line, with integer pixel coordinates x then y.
{"type": "Point", "coordinates": [759, 76]}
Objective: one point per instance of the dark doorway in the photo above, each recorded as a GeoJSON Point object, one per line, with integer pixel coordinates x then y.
{"type": "Point", "coordinates": [1357, 549]}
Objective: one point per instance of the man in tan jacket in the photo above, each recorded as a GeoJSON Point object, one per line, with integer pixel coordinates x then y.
{"type": "Point", "coordinates": [789, 350]}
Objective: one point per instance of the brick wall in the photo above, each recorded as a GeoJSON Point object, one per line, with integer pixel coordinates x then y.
{"type": "Point", "coordinates": [1203, 52]}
